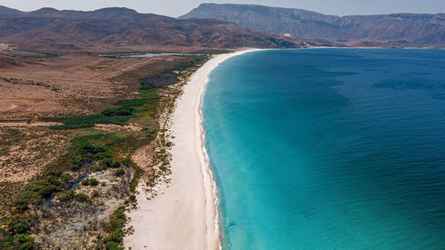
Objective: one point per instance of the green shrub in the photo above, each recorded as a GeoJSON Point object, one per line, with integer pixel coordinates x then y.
{"type": "Point", "coordinates": [66, 196]}
{"type": "Point", "coordinates": [66, 178]}
{"type": "Point", "coordinates": [111, 245]}
{"type": "Point", "coordinates": [88, 150]}
{"type": "Point", "coordinates": [94, 182]}
{"type": "Point", "coordinates": [12, 241]}
{"type": "Point", "coordinates": [119, 172]}
{"type": "Point", "coordinates": [25, 199]}
{"type": "Point", "coordinates": [70, 195]}
{"type": "Point", "coordinates": [38, 190]}
{"type": "Point", "coordinates": [81, 197]}
{"type": "Point", "coordinates": [20, 226]}
{"type": "Point", "coordinates": [110, 163]}
{"type": "Point", "coordinates": [115, 229]}
{"type": "Point", "coordinates": [24, 242]}
{"type": "Point", "coordinates": [98, 168]}
{"type": "Point", "coordinates": [90, 182]}
{"type": "Point", "coordinates": [92, 150]}
{"type": "Point", "coordinates": [120, 114]}
{"type": "Point", "coordinates": [138, 173]}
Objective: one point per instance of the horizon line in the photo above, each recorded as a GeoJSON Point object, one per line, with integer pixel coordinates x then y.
{"type": "Point", "coordinates": [227, 4]}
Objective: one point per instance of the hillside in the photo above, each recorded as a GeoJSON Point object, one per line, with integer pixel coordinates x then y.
{"type": "Point", "coordinates": [113, 28]}
{"type": "Point", "coordinates": [395, 29]}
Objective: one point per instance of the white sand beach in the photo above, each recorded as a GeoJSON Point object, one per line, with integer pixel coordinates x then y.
{"type": "Point", "coordinates": [185, 215]}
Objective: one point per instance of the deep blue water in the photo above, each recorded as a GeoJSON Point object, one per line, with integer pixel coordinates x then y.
{"type": "Point", "coordinates": [330, 149]}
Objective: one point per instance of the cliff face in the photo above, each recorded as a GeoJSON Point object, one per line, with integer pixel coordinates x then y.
{"type": "Point", "coordinates": [416, 29]}
{"type": "Point", "coordinates": [121, 27]}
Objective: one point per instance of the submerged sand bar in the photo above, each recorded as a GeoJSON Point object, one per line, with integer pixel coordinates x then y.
{"type": "Point", "coordinates": [185, 215]}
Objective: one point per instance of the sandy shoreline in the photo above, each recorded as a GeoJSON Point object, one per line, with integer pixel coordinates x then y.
{"type": "Point", "coordinates": [185, 215]}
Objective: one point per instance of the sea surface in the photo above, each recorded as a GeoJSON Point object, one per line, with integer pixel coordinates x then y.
{"type": "Point", "coordinates": [325, 149]}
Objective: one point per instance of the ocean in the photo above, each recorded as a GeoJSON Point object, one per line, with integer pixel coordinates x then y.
{"type": "Point", "coordinates": [324, 149]}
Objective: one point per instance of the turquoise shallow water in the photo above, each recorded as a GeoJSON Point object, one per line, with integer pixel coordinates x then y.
{"type": "Point", "coordinates": [329, 149]}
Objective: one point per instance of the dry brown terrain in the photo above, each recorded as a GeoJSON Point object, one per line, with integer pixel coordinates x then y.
{"type": "Point", "coordinates": [71, 84]}
{"type": "Point", "coordinates": [33, 88]}
{"type": "Point", "coordinates": [70, 185]}
{"type": "Point", "coordinates": [25, 151]}
{"type": "Point", "coordinates": [36, 88]}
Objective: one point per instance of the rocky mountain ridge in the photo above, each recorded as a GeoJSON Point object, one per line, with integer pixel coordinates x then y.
{"type": "Point", "coordinates": [396, 29]}
{"type": "Point", "coordinates": [111, 28]}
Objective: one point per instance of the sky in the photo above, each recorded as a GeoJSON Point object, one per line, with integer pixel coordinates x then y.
{"type": "Point", "coordinates": [179, 7]}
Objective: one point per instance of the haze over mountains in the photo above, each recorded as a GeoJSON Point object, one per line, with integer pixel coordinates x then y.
{"type": "Point", "coordinates": [395, 29]}
{"type": "Point", "coordinates": [123, 28]}
{"type": "Point", "coordinates": [213, 26]}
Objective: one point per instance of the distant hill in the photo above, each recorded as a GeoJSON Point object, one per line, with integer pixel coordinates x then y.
{"type": "Point", "coordinates": [8, 12]}
{"type": "Point", "coordinates": [112, 28]}
{"type": "Point", "coordinates": [394, 29]}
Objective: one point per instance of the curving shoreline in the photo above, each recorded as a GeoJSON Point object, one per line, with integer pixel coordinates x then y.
{"type": "Point", "coordinates": [214, 235]}
{"type": "Point", "coordinates": [185, 215]}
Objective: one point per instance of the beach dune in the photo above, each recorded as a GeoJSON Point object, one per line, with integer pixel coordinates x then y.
{"type": "Point", "coordinates": [185, 215]}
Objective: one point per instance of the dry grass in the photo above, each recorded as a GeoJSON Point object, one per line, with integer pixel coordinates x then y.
{"type": "Point", "coordinates": [25, 152]}
{"type": "Point", "coordinates": [71, 84]}
{"type": "Point", "coordinates": [42, 168]}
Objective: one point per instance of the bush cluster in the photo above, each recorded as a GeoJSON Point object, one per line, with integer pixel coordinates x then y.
{"type": "Point", "coordinates": [18, 236]}
{"type": "Point", "coordinates": [115, 230]}
{"type": "Point", "coordinates": [120, 114]}
{"type": "Point", "coordinates": [67, 196]}
{"type": "Point", "coordinates": [90, 182]}
{"type": "Point", "coordinates": [85, 152]}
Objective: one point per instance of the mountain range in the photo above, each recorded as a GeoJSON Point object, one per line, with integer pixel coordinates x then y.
{"type": "Point", "coordinates": [111, 28]}
{"type": "Point", "coordinates": [213, 26]}
{"type": "Point", "coordinates": [393, 29]}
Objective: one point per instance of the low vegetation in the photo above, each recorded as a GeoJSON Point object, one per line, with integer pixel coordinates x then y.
{"type": "Point", "coordinates": [119, 114]}
{"type": "Point", "coordinates": [96, 172]}
{"type": "Point", "coordinates": [114, 229]}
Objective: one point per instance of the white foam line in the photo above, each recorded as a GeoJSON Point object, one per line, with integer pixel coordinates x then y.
{"type": "Point", "coordinates": [185, 216]}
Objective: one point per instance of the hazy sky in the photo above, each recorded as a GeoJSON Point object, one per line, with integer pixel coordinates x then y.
{"type": "Point", "coordinates": [179, 7]}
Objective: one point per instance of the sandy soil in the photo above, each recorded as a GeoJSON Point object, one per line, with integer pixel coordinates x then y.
{"type": "Point", "coordinates": [70, 84]}
{"type": "Point", "coordinates": [25, 149]}
{"type": "Point", "coordinates": [28, 124]}
{"type": "Point", "coordinates": [185, 215]}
